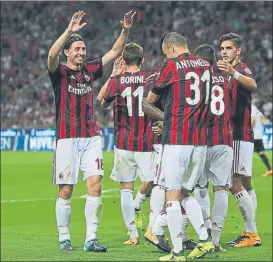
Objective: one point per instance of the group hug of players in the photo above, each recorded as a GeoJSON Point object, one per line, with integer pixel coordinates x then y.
{"type": "Point", "coordinates": [177, 127]}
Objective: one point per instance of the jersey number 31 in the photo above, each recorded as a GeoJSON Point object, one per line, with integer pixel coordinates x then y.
{"type": "Point", "coordinates": [215, 100]}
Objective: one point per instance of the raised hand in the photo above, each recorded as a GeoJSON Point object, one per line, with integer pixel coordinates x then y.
{"type": "Point", "coordinates": [119, 67]}
{"type": "Point", "coordinates": [128, 20]}
{"type": "Point", "coordinates": [76, 24]}
{"type": "Point", "coordinates": [152, 78]}
{"type": "Point", "coordinates": [225, 67]}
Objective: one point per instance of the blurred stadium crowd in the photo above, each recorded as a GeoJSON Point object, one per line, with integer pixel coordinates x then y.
{"type": "Point", "coordinates": [28, 29]}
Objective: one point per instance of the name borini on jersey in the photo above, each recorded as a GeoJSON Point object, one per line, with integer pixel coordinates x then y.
{"type": "Point", "coordinates": [131, 79]}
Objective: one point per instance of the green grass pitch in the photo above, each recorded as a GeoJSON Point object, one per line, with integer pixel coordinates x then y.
{"type": "Point", "coordinates": [28, 228]}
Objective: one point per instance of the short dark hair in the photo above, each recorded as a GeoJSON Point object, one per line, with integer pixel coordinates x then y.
{"type": "Point", "coordinates": [175, 39]}
{"type": "Point", "coordinates": [206, 52]}
{"type": "Point", "coordinates": [132, 54]}
{"type": "Point", "coordinates": [72, 38]}
{"type": "Point", "coordinates": [162, 39]}
{"type": "Point", "coordinates": [234, 38]}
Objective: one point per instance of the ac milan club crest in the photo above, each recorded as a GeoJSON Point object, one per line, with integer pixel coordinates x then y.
{"type": "Point", "coordinates": [87, 78]}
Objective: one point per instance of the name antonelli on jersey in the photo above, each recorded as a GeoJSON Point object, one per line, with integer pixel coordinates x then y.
{"type": "Point", "coordinates": [80, 91]}
{"type": "Point", "coordinates": [191, 63]}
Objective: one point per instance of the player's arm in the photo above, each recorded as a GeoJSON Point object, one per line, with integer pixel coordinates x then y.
{"type": "Point", "coordinates": [151, 110]}
{"type": "Point", "coordinates": [253, 121]}
{"type": "Point", "coordinates": [118, 47]}
{"type": "Point", "coordinates": [163, 80]}
{"type": "Point", "coordinates": [263, 119]}
{"type": "Point", "coordinates": [246, 81]}
{"type": "Point", "coordinates": [152, 98]}
{"type": "Point", "coordinates": [54, 52]}
{"type": "Point", "coordinates": [104, 104]}
{"type": "Point", "coordinates": [118, 69]}
{"type": "Point", "coordinates": [109, 94]}
{"type": "Point", "coordinates": [102, 90]}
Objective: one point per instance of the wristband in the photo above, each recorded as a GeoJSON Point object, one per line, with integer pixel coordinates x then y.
{"type": "Point", "coordinates": [236, 75]}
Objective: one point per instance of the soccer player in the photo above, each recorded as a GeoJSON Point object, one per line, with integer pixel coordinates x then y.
{"type": "Point", "coordinates": [134, 155]}
{"type": "Point", "coordinates": [219, 153]}
{"type": "Point", "coordinates": [243, 84]}
{"type": "Point", "coordinates": [145, 188]}
{"type": "Point", "coordinates": [78, 141]}
{"type": "Point", "coordinates": [256, 123]}
{"type": "Point", "coordinates": [187, 83]}
{"type": "Point", "coordinates": [158, 217]}
{"type": "Point", "coordinates": [158, 192]}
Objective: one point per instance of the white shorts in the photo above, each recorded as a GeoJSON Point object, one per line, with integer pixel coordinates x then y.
{"type": "Point", "coordinates": [218, 166]}
{"type": "Point", "coordinates": [183, 165]}
{"type": "Point", "coordinates": [242, 157]}
{"type": "Point", "coordinates": [159, 178]}
{"type": "Point", "coordinates": [128, 165]}
{"type": "Point", "coordinates": [72, 154]}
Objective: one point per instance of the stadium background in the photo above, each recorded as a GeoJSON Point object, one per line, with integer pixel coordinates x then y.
{"type": "Point", "coordinates": [28, 29]}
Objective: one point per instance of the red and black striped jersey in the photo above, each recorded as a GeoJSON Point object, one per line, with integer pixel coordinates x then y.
{"type": "Point", "coordinates": [219, 125]}
{"type": "Point", "coordinates": [73, 95]}
{"type": "Point", "coordinates": [132, 127]}
{"type": "Point", "coordinates": [242, 129]}
{"type": "Point", "coordinates": [187, 82]}
{"type": "Point", "coordinates": [160, 103]}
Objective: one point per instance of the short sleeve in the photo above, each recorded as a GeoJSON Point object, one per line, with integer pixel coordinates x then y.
{"type": "Point", "coordinates": [149, 82]}
{"type": "Point", "coordinates": [110, 92]}
{"type": "Point", "coordinates": [165, 76]}
{"type": "Point", "coordinates": [95, 67]}
{"type": "Point", "coordinates": [56, 76]}
{"type": "Point", "coordinates": [148, 87]}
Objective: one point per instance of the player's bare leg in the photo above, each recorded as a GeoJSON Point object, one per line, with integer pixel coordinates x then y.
{"type": "Point", "coordinates": [127, 207]}
{"type": "Point", "coordinates": [93, 209]}
{"type": "Point", "coordinates": [250, 236]}
{"type": "Point", "coordinates": [143, 193]}
{"type": "Point", "coordinates": [63, 215]}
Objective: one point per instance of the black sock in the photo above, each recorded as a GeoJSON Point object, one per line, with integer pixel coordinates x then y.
{"type": "Point", "coordinates": [265, 160]}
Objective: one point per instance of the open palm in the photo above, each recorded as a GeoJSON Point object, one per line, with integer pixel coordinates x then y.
{"type": "Point", "coordinates": [76, 22]}
{"type": "Point", "coordinates": [128, 20]}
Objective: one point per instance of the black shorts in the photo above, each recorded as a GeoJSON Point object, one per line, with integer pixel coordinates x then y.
{"type": "Point", "coordinates": [258, 145]}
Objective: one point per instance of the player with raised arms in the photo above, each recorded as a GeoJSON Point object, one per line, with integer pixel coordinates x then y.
{"type": "Point", "coordinates": [78, 140]}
